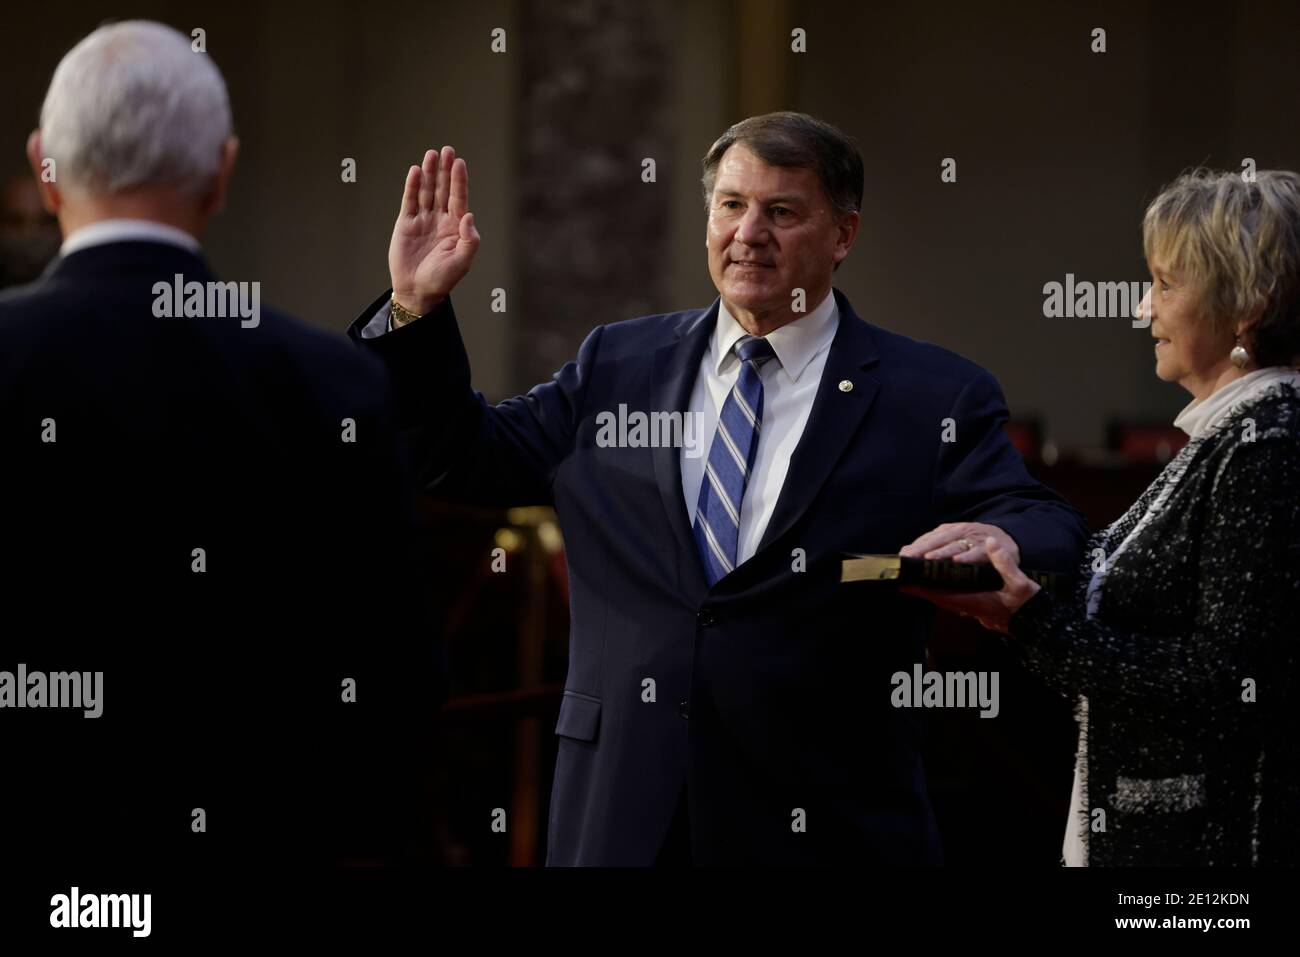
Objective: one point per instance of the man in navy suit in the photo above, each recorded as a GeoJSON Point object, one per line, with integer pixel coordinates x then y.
{"type": "Point", "coordinates": [727, 702]}
{"type": "Point", "coordinates": [171, 478]}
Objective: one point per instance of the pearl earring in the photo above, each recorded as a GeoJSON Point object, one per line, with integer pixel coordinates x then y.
{"type": "Point", "coordinates": [1239, 356]}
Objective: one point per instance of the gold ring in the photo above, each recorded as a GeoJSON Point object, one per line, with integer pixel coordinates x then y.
{"type": "Point", "coordinates": [966, 542]}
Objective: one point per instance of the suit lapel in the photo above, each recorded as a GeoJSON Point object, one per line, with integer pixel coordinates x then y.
{"type": "Point", "coordinates": [832, 422]}
{"type": "Point", "coordinates": [676, 366]}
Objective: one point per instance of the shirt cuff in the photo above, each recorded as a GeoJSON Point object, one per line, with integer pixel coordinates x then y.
{"type": "Point", "coordinates": [380, 323]}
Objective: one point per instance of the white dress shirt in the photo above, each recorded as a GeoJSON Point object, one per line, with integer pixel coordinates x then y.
{"type": "Point", "coordinates": [127, 230]}
{"type": "Point", "coordinates": [790, 384]}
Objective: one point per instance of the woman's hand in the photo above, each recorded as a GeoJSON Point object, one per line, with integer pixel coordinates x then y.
{"type": "Point", "coordinates": [993, 609]}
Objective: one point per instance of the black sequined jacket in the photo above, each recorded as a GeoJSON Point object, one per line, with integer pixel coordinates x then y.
{"type": "Point", "coordinates": [1190, 743]}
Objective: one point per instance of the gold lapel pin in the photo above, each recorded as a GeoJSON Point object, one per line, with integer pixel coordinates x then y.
{"type": "Point", "coordinates": [846, 385]}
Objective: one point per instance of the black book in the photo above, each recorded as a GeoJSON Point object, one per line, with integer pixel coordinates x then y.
{"type": "Point", "coordinates": [940, 573]}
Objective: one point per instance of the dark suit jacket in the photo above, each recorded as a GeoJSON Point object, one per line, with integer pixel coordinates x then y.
{"type": "Point", "coordinates": [222, 690]}
{"type": "Point", "coordinates": [773, 686]}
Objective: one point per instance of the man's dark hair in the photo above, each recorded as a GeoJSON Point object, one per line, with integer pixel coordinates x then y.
{"type": "Point", "coordinates": [796, 140]}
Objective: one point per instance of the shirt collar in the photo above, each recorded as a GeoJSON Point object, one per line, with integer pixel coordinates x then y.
{"type": "Point", "coordinates": [795, 344]}
{"type": "Point", "coordinates": [127, 230]}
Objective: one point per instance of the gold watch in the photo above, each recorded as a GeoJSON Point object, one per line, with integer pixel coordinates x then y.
{"type": "Point", "coordinates": [401, 316]}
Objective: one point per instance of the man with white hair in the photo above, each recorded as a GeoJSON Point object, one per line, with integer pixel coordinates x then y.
{"type": "Point", "coordinates": [175, 455]}
{"type": "Point", "coordinates": [135, 138]}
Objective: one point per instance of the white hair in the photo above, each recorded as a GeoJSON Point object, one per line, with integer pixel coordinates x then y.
{"type": "Point", "coordinates": [133, 105]}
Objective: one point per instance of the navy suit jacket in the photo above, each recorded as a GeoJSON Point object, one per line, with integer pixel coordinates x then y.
{"type": "Point", "coordinates": [772, 688]}
{"type": "Point", "coordinates": [222, 689]}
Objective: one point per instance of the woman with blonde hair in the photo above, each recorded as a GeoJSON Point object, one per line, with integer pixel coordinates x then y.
{"type": "Point", "coordinates": [1180, 639]}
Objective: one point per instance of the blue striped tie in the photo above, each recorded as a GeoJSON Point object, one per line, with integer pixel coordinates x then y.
{"type": "Point", "coordinates": [731, 458]}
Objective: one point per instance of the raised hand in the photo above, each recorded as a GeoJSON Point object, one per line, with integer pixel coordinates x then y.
{"type": "Point", "coordinates": [434, 239]}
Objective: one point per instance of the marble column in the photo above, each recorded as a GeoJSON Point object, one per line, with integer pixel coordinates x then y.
{"type": "Point", "coordinates": [593, 103]}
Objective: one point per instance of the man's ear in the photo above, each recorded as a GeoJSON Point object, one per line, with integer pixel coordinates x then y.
{"type": "Point", "coordinates": [50, 197]}
{"type": "Point", "coordinates": [848, 231]}
{"type": "Point", "coordinates": [216, 198]}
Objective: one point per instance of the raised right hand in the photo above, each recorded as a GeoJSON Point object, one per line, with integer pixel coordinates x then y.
{"type": "Point", "coordinates": [434, 239]}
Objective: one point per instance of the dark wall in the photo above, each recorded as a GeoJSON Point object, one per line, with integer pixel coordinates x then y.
{"type": "Point", "coordinates": [1058, 150]}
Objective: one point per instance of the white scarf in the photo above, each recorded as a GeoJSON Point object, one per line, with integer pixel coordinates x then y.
{"type": "Point", "coordinates": [1202, 415]}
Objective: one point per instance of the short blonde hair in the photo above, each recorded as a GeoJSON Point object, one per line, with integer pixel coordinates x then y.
{"type": "Point", "coordinates": [1238, 241]}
